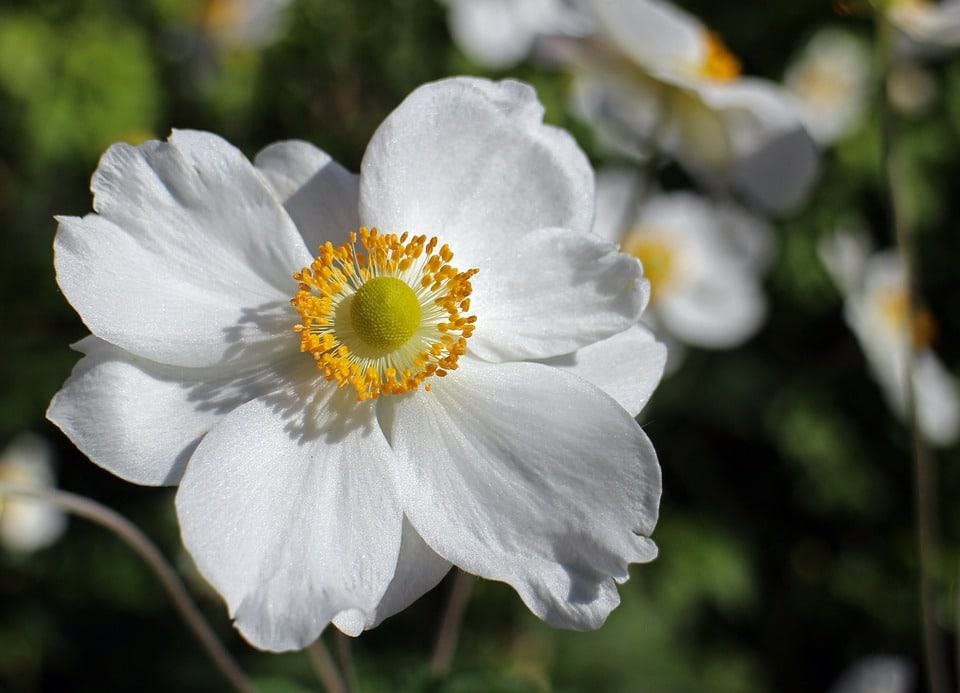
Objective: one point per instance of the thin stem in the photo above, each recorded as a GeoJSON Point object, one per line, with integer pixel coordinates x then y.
{"type": "Point", "coordinates": [345, 658]}
{"type": "Point", "coordinates": [449, 634]}
{"type": "Point", "coordinates": [138, 541]}
{"type": "Point", "coordinates": [325, 668]}
{"type": "Point", "coordinates": [925, 484]}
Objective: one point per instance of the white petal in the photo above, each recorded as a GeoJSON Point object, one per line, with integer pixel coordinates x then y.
{"type": "Point", "coordinates": [470, 161]}
{"type": "Point", "coordinates": [721, 310]}
{"type": "Point", "coordinates": [491, 32]}
{"type": "Point", "coordinates": [189, 260]}
{"type": "Point", "coordinates": [928, 25]}
{"type": "Point", "coordinates": [845, 255]}
{"type": "Point", "coordinates": [624, 110]}
{"type": "Point", "coordinates": [142, 420]}
{"type": "Point", "coordinates": [289, 510]}
{"type": "Point", "coordinates": [938, 408]}
{"type": "Point", "coordinates": [319, 194]}
{"type": "Point", "coordinates": [655, 34]}
{"type": "Point", "coordinates": [831, 79]}
{"type": "Point", "coordinates": [876, 674]}
{"type": "Point", "coordinates": [419, 570]}
{"type": "Point", "coordinates": [28, 524]}
{"type": "Point", "coordinates": [618, 191]}
{"type": "Point", "coordinates": [527, 474]}
{"type": "Point", "coordinates": [551, 292]}
{"type": "Point", "coordinates": [775, 160]}
{"type": "Point", "coordinates": [627, 366]}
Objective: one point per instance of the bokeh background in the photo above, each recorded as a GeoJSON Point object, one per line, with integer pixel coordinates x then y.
{"type": "Point", "coordinates": [786, 533]}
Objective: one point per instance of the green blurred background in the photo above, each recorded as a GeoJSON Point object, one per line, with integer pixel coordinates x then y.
{"type": "Point", "coordinates": [786, 532]}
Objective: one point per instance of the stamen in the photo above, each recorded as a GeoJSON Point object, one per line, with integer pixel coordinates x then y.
{"type": "Point", "coordinates": [386, 318]}
{"type": "Point", "coordinates": [719, 64]}
{"type": "Point", "coordinates": [894, 307]}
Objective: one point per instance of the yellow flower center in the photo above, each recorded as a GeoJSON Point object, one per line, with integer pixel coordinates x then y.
{"type": "Point", "coordinates": [895, 308]}
{"type": "Point", "coordinates": [220, 15]}
{"type": "Point", "coordinates": [385, 313]}
{"type": "Point", "coordinates": [657, 255]}
{"type": "Point", "coordinates": [386, 318]}
{"type": "Point", "coordinates": [719, 64]}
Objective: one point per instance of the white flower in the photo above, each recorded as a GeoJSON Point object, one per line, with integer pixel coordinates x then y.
{"type": "Point", "coordinates": [926, 25]}
{"type": "Point", "coordinates": [517, 460]}
{"type": "Point", "coordinates": [501, 33]}
{"type": "Point", "coordinates": [911, 87]}
{"type": "Point", "coordinates": [876, 674]}
{"type": "Point", "coordinates": [242, 23]}
{"type": "Point", "coordinates": [704, 259]}
{"type": "Point", "coordinates": [832, 81]}
{"type": "Point", "coordinates": [655, 73]}
{"type": "Point", "coordinates": [25, 524]}
{"type": "Point", "coordinates": [876, 310]}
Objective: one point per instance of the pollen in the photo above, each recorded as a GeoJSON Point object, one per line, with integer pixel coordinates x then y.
{"type": "Point", "coordinates": [382, 313]}
{"type": "Point", "coordinates": [657, 255]}
{"type": "Point", "coordinates": [719, 64]}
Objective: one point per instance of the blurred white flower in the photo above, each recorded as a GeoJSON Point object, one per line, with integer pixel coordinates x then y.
{"type": "Point", "coordinates": [340, 484]}
{"type": "Point", "coordinates": [876, 674]}
{"type": "Point", "coordinates": [911, 88]}
{"type": "Point", "coordinates": [832, 81]}
{"type": "Point", "coordinates": [500, 33]}
{"type": "Point", "coordinates": [704, 259]}
{"type": "Point", "coordinates": [926, 25]}
{"type": "Point", "coordinates": [242, 23]}
{"type": "Point", "coordinates": [654, 73]}
{"type": "Point", "coordinates": [26, 524]}
{"type": "Point", "coordinates": [876, 309]}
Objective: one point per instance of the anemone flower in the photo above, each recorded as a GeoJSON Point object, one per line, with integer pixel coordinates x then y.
{"type": "Point", "coordinates": [451, 380]}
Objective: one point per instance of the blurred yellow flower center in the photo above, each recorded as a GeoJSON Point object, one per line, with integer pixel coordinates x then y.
{"type": "Point", "coordinates": [895, 308]}
{"type": "Point", "coordinates": [719, 64]}
{"type": "Point", "coordinates": [822, 86]}
{"type": "Point", "coordinates": [386, 316]}
{"type": "Point", "coordinates": [657, 255]}
{"type": "Point", "coordinates": [218, 15]}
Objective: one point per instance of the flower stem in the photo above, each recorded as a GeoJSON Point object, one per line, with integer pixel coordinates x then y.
{"type": "Point", "coordinates": [925, 484]}
{"type": "Point", "coordinates": [451, 623]}
{"type": "Point", "coordinates": [345, 659]}
{"type": "Point", "coordinates": [325, 668]}
{"type": "Point", "coordinates": [138, 541]}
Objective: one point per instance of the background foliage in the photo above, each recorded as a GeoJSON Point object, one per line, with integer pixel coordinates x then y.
{"type": "Point", "coordinates": [787, 546]}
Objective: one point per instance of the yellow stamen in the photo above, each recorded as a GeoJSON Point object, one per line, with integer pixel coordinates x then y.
{"type": "Point", "coordinates": [719, 64]}
{"type": "Point", "coordinates": [386, 318]}
{"type": "Point", "coordinates": [895, 308]}
{"type": "Point", "coordinates": [657, 256]}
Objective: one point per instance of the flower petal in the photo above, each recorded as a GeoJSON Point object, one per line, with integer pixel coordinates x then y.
{"type": "Point", "coordinates": [419, 570]}
{"type": "Point", "coordinates": [938, 408]}
{"type": "Point", "coordinates": [627, 366]}
{"type": "Point", "coordinates": [142, 420]}
{"type": "Point", "coordinates": [618, 192]}
{"type": "Point", "coordinates": [491, 32]}
{"type": "Point", "coordinates": [319, 194]}
{"type": "Point", "coordinates": [775, 160]}
{"type": "Point", "coordinates": [28, 524]}
{"type": "Point", "coordinates": [288, 508]}
{"type": "Point", "coordinates": [655, 34]}
{"type": "Point", "coordinates": [722, 309]}
{"type": "Point", "coordinates": [527, 474]}
{"type": "Point", "coordinates": [189, 260]}
{"type": "Point", "coordinates": [471, 161]}
{"type": "Point", "coordinates": [551, 292]}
